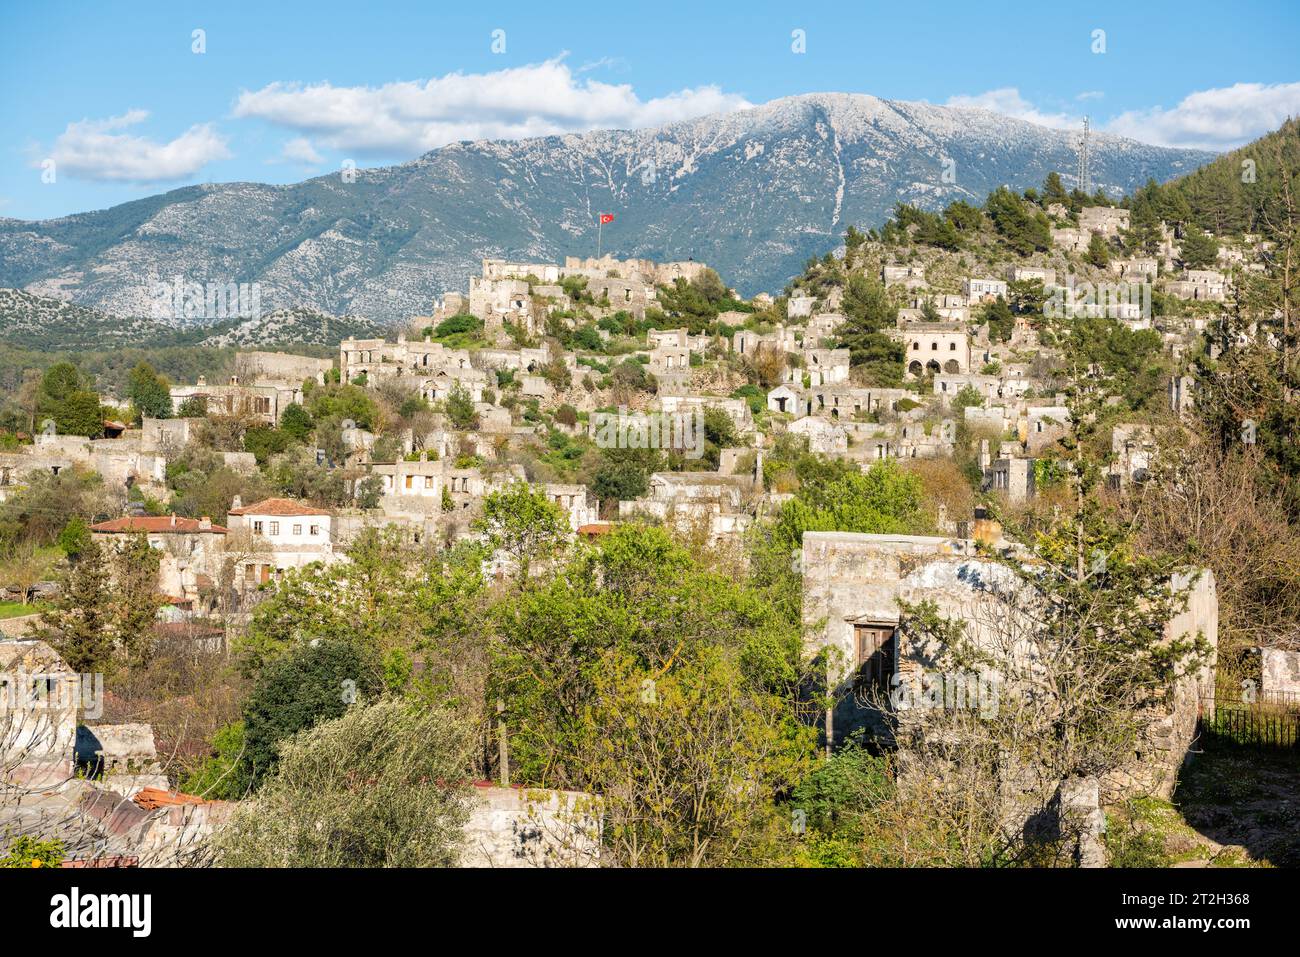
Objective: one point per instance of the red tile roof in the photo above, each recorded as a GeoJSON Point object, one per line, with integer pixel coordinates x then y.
{"type": "Point", "coordinates": [113, 860]}
{"type": "Point", "coordinates": [153, 798]}
{"type": "Point", "coordinates": [155, 524]}
{"type": "Point", "coordinates": [278, 506]}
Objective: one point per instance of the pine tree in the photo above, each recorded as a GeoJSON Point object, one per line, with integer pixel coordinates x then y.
{"type": "Point", "coordinates": [79, 625]}
{"type": "Point", "coordinates": [1199, 249]}
{"type": "Point", "coordinates": [1054, 190]}
{"type": "Point", "coordinates": [868, 316]}
{"type": "Point", "coordinates": [1098, 251]}
{"type": "Point", "coordinates": [135, 599]}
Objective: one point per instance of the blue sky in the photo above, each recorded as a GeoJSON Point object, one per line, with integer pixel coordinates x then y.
{"type": "Point", "coordinates": [115, 96]}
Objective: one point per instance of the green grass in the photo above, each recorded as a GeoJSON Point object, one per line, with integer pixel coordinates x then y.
{"type": "Point", "coordinates": [14, 609]}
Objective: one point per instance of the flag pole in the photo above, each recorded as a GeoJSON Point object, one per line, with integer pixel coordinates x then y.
{"type": "Point", "coordinates": [600, 225]}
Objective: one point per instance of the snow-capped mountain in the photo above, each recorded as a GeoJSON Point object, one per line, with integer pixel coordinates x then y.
{"type": "Point", "coordinates": [753, 193]}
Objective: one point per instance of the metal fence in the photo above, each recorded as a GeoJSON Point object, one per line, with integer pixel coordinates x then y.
{"type": "Point", "coordinates": [1272, 722]}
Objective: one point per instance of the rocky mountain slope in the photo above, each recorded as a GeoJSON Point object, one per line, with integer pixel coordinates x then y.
{"type": "Point", "coordinates": [45, 324]}
{"type": "Point", "coordinates": [753, 193]}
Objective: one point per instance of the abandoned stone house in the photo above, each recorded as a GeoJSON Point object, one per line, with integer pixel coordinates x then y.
{"type": "Point", "coordinates": [950, 307]}
{"type": "Point", "coordinates": [996, 418]}
{"type": "Point", "coordinates": [820, 367]}
{"type": "Point", "coordinates": [855, 587]}
{"type": "Point", "coordinates": [497, 300]}
{"type": "Point", "coordinates": [1133, 450]}
{"type": "Point", "coordinates": [1107, 221]}
{"type": "Point", "coordinates": [736, 409]}
{"type": "Point", "coordinates": [800, 306]}
{"type": "Point", "coordinates": [1201, 285]}
{"type": "Point", "coordinates": [39, 701]}
{"type": "Point", "coordinates": [168, 437]}
{"type": "Point", "coordinates": [1009, 476]}
{"type": "Point", "coordinates": [933, 347]}
{"type": "Point", "coordinates": [788, 400]}
{"type": "Point", "coordinates": [746, 342]}
{"type": "Point", "coordinates": [122, 756]}
{"type": "Point", "coordinates": [265, 403]}
{"type": "Point", "coordinates": [576, 502]}
{"type": "Point", "coordinates": [281, 368]}
{"type": "Point", "coordinates": [1143, 267]}
{"type": "Point", "coordinates": [920, 440]}
{"type": "Point", "coordinates": [1043, 426]}
{"type": "Point", "coordinates": [380, 359]}
{"type": "Point", "coordinates": [847, 401]}
{"type": "Point", "coordinates": [990, 387]}
{"type": "Point", "coordinates": [890, 275]}
{"type": "Point", "coordinates": [418, 485]}
{"type": "Point", "coordinates": [823, 435]}
{"type": "Point", "coordinates": [1043, 274]}
{"type": "Point", "coordinates": [191, 552]}
{"type": "Point", "coordinates": [983, 290]}
{"type": "Point", "coordinates": [536, 387]}
{"type": "Point", "coordinates": [713, 501]}
{"type": "Point", "coordinates": [88, 786]}
{"type": "Point", "coordinates": [1182, 394]}
{"type": "Point", "coordinates": [122, 462]}
{"type": "Point", "coordinates": [668, 338]}
{"type": "Point", "coordinates": [822, 328]}
{"type": "Point", "coordinates": [632, 296]}
{"type": "Point", "coordinates": [440, 386]}
{"type": "Point", "coordinates": [1070, 239]}
{"type": "Point", "coordinates": [670, 350]}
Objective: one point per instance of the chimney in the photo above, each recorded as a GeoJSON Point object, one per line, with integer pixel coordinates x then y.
{"type": "Point", "coordinates": [237, 502]}
{"type": "Point", "coordinates": [173, 521]}
{"type": "Point", "coordinates": [205, 524]}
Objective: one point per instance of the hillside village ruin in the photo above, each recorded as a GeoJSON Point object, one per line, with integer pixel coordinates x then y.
{"type": "Point", "coordinates": [956, 378]}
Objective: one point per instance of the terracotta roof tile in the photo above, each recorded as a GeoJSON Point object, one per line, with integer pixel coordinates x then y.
{"type": "Point", "coordinates": [153, 798]}
{"type": "Point", "coordinates": [156, 524]}
{"type": "Point", "coordinates": [278, 506]}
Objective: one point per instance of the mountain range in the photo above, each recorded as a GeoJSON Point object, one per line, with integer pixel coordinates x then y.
{"type": "Point", "coordinates": [753, 193]}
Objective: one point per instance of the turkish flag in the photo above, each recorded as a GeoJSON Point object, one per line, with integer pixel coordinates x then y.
{"type": "Point", "coordinates": [606, 218]}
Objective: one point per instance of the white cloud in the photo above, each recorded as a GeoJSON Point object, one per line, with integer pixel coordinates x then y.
{"type": "Point", "coordinates": [300, 150]}
{"type": "Point", "coordinates": [540, 99]}
{"type": "Point", "coordinates": [1216, 119]}
{"type": "Point", "coordinates": [1008, 101]}
{"type": "Point", "coordinates": [1090, 95]}
{"type": "Point", "coordinates": [94, 149]}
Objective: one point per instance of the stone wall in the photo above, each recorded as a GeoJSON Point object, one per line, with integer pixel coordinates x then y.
{"type": "Point", "coordinates": [522, 827]}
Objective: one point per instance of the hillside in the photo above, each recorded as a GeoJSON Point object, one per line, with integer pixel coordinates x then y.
{"type": "Point", "coordinates": [47, 324]}
{"type": "Point", "coordinates": [300, 326]}
{"type": "Point", "coordinates": [44, 324]}
{"type": "Point", "coordinates": [1239, 192]}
